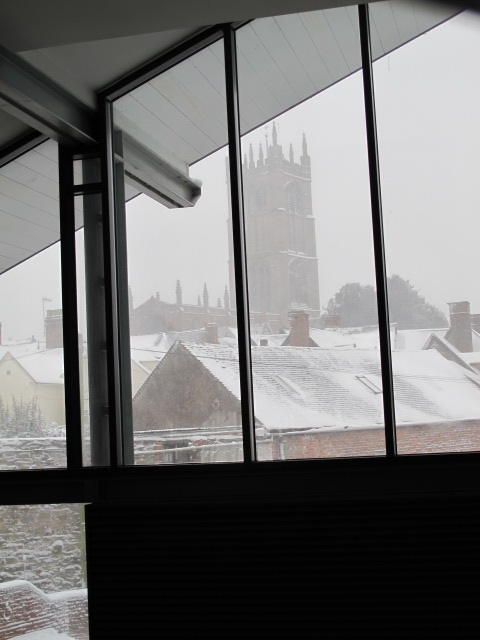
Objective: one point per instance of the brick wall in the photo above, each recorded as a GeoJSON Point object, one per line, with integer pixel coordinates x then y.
{"type": "Point", "coordinates": [433, 438]}
{"type": "Point", "coordinates": [24, 608]}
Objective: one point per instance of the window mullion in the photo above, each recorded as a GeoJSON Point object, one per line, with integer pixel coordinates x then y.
{"type": "Point", "coordinates": [378, 239]}
{"type": "Point", "coordinates": [73, 403]}
{"type": "Point", "coordinates": [111, 291]}
{"type": "Point", "coordinates": [239, 248]}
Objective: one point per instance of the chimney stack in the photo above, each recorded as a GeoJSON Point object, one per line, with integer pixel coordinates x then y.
{"type": "Point", "coordinates": [299, 329]}
{"type": "Point", "coordinates": [460, 332]}
{"type": "Point", "coordinates": [264, 342]}
{"type": "Point", "coordinates": [211, 333]}
{"type": "Point", "coordinates": [475, 318]}
{"type": "Point", "coordinates": [54, 328]}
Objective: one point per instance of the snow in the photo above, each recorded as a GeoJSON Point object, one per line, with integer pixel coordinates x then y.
{"type": "Point", "coordinates": [45, 366]}
{"type": "Point", "coordinates": [148, 349]}
{"type": "Point", "coordinates": [308, 388]}
{"type": "Point", "coordinates": [416, 339]}
{"type": "Point", "coordinates": [348, 338]}
{"type": "Point", "coordinates": [44, 634]}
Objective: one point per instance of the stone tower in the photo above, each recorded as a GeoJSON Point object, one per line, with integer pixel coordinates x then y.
{"type": "Point", "coordinates": [280, 231]}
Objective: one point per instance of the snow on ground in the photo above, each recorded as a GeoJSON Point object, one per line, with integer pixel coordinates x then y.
{"type": "Point", "coordinates": [44, 634]}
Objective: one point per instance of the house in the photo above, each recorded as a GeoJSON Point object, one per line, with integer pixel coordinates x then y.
{"type": "Point", "coordinates": [313, 402]}
{"type": "Point", "coordinates": [35, 374]}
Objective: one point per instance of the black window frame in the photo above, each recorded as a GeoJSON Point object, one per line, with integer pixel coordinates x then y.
{"type": "Point", "coordinates": [119, 481]}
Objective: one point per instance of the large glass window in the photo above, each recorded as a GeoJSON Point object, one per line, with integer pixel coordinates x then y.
{"type": "Point", "coordinates": [427, 101]}
{"type": "Point", "coordinates": [32, 403]}
{"type": "Point", "coordinates": [170, 137]}
{"type": "Point", "coordinates": [315, 351]}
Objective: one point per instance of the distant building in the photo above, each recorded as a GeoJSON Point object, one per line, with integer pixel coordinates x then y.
{"type": "Point", "coordinates": [281, 252]}
{"type": "Point", "coordinates": [157, 316]}
{"type": "Point", "coordinates": [280, 232]}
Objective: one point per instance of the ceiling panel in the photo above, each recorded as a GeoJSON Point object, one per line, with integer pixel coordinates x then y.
{"type": "Point", "coordinates": [286, 60]}
{"type": "Point", "coordinates": [181, 114]}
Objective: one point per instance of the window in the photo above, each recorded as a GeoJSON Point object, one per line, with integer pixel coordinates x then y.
{"type": "Point", "coordinates": [184, 360]}
{"type": "Point", "coordinates": [317, 238]}
{"type": "Point", "coordinates": [32, 400]}
{"type": "Point", "coordinates": [429, 138]}
{"type": "Point", "coordinates": [185, 330]}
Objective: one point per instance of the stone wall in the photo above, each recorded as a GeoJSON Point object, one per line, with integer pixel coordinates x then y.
{"type": "Point", "coordinates": [32, 453]}
{"type": "Point", "coordinates": [44, 544]}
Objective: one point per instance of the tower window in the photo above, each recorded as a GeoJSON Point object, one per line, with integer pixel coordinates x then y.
{"type": "Point", "coordinates": [294, 198]}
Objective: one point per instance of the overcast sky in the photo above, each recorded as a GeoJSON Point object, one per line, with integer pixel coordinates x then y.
{"type": "Point", "coordinates": [429, 137]}
{"type": "Point", "coordinates": [428, 101]}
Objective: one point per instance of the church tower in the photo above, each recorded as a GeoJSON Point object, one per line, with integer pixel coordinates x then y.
{"type": "Point", "coordinates": [280, 231]}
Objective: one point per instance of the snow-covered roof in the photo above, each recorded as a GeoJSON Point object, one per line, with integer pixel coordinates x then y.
{"type": "Point", "coordinates": [348, 338]}
{"type": "Point", "coordinates": [18, 349]}
{"type": "Point", "coordinates": [416, 339]}
{"type": "Point", "coordinates": [45, 367]}
{"type": "Point", "coordinates": [471, 358]}
{"type": "Point", "coordinates": [304, 388]}
{"type": "Point", "coordinates": [148, 348]}
{"type": "Point", "coordinates": [152, 348]}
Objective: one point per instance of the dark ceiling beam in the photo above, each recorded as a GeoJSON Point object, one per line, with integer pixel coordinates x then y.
{"type": "Point", "coordinates": [37, 101]}
{"type": "Point", "coordinates": [20, 146]}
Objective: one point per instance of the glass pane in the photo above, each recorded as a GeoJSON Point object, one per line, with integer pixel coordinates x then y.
{"type": "Point", "coordinates": [43, 572]}
{"type": "Point", "coordinates": [32, 402]}
{"type": "Point", "coordinates": [315, 353]}
{"type": "Point", "coordinates": [171, 136]}
{"type": "Point", "coordinates": [428, 97]}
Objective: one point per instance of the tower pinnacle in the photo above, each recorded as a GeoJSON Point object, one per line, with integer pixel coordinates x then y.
{"type": "Point", "coordinates": [205, 296]}
{"type": "Point", "coordinates": [250, 154]}
{"type": "Point", "coordinates": [305, 159]}
{"type": "Point", "coordinates": [304, 145]}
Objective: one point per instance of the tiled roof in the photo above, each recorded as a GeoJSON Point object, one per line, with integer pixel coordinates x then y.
{"type": "Point", "coordinates": [304, 388]}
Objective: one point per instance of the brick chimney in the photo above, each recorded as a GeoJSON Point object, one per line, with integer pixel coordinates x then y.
{"type": "Point", "coordinates": [475, 319]}
{"type": "Point", "coordinates": [211, 333]}
{"type": "Point", "coordinates": [299, 329]}
{"type": "Point", "coordinates": [460, 332]}
{"type": "Point", "coordinates": [54, 328]}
